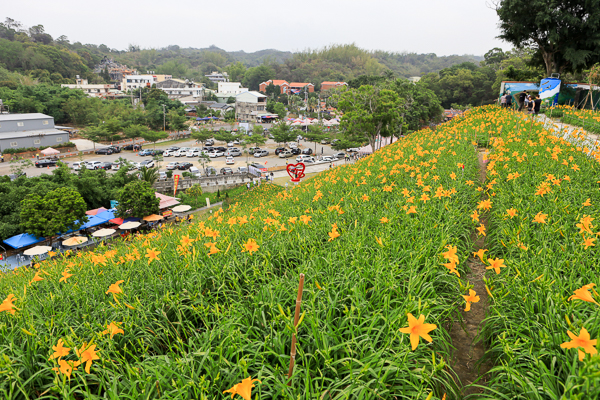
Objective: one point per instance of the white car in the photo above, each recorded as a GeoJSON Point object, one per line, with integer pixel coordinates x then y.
{"type": "Point", "coordinates": [193, 153]}
{"type": "Point", "coordinates": [147, 164]}
{"type": "Point", "coordinates": [216, 153]}
{"type": "Point", "coordinates": [251, 150]}
{"type": "Point", "coordinates": [77, 165]}
{"type": "Point", "coordinates": [230, 144]}
{"type": "Point", "coordinates": [352, 150]}
{"type": "Point", "coordinates": [229, 160]}
{"type": "Point", "coordinates": [168, 153]}
{"type": "Point", "coordinates": [304, 158]}
{"type": "Point", "coordinates": [293, 145]}
{"type": "Point", "coordinates": [172, 165]}
{"type": "Point", "coordinates": [285, 154]}
{"type": "Point", "coordinates": [179, 153]}
{"type": "Point", "coordinates": [329, 159]}
{"type": "Point", "coordinates": [93, 164]}
{"type": "Point", "coordinates": [236, 141]}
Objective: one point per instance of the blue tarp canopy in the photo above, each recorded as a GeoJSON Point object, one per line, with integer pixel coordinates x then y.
{"type": "Point", "coordinates": [93, 220]}
{"type": "Point", "coordinates": [206, 118]}
{"type": "Point", "coordinates": [22, 240]}
{"type": "Point", "coordinates": [107, 215]}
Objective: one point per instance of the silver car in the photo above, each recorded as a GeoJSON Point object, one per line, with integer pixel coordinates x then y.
{"type": "Point", "coordinates": [233, 152]}
{"type": "Point", "coordinates": [261, 153]}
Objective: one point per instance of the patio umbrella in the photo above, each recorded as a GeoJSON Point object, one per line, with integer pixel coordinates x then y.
{"type": "Point", "coordinates": [107, 215]}
{"type": "Point", "coordinates": [95, 211]}
{"type": "Point", "coordinates": [182, 208]}
{"type": "Point", "coordinates": [37, 250]}
{"type": "Point", "coordinates": [153, 217]}
{"type": "Point", "coordinates": [74, 241]}
{"type": "Point", "coordinates": [22, 240]}
{"type": "Point", "coordinates": [49, 151]}
{"type": "Point", "coordinates": [103, 232]}
{"type": "Point", "coordinates": [129, 225]}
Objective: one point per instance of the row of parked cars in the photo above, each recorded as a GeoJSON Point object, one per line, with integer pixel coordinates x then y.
{"type": "Point", "coordinates": [93, 165]}
{"type": "Point", "coordinates": [211, 151]}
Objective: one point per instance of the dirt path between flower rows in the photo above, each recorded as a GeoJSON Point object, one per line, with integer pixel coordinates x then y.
{"type": "Point", "coordinates": [468, 359]}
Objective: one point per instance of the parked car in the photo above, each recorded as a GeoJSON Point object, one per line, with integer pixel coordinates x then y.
{"type": "Point", "coordinates": [194, 171]}
{"type": "Point", "coordinates": [208, 149]}
{"type": "Point", "coordinates": [352, 150]}
{"type": "Point", "coordinates": [115, 149]}
{"type": "Point", "coordinates": [236, 141]}
{"type": "Point", "coordinates": [193, 153]}
{"type": "Point", "coordinates": [147, 164]}
{"type": "Point", "coordinates": [221, 148]}
{"type": "Point", "coordinates": [209, 142]}
{"type": "Point", "coordinates": [179, 153]}
{"type": "Point", "coordinates": [216, 153]}
{"type": "Point", "coordinates": [339, 155]}
{"type": "Point", "coordinates": [229, 160]}
{"type": "Point", "coordinates": [285, 154]}
{"type": "Point", "coordinates": [242, 170]}
{"type": "Point", "coordinates": [293, 145]}
{"type": "Point", "coordinates": [307, 151]}
{"type": "Point", "coordinates": [230, 144]}
{"type": "Point", "coordinates": [305, 159]}
{"type": "Point", "coordinates": [226, 171]}
{"type": "Point", "coordinates": [144, 153]}
{"type": "Point", "coordinates": [261, 153]}
{"type": "Point", "coordinates": [162, 176]}
{"type": "Point", "coordinates": [46, 162]}
{"type": "Point", "coordinates": [295, 151]}
{"type": "Point", "coordinates": [251, 150]}
{"type": "Point", "coordinates": [233, 152]}
{"type": "Point", "coordinates": [128, 147]}
{"type": "Point", "coordinates": [210, 171]}
{"type": "Point", "coordinates": [299, 137]}
{"type": "Point", "coordinates": [184, 165]}
{"type": "Point", "coordinates": [329, 159]}
{"type": "Point", "coordinates": [156, 152]}
{"type": "Point", "coordinates": [325, 141]}
{"type": "Point", "coordinates": [279, 150]}
{"type": "Point", "coordinates": [173, 148]}
{"type": "Point", "coordinates": [168, 153]}
{"type": "Point", "coordinates": [77, 165]}
{"type": "Point", "coordinates": [107, 166]}
{"type": "Point", "coordinates": [172, 165]}
{"type": "Point", "coordinates": [92, 164]}
{"type": "Point", "coordinates": [105, 150]}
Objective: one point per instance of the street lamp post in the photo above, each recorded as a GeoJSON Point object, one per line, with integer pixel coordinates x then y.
{"type": "Point", "coordinates": [164, 119]}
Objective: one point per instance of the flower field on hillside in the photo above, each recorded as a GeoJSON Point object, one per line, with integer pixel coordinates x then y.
{"type": "Point", "coordinates": [544, 319]}
{"type": "Point", "coordinates": [586, 119]}
{"type": "Point", "coordinates": [193, 311]}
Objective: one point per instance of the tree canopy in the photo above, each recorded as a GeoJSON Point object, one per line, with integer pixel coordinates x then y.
{"type": "Point", "coordinates": [137, 199]}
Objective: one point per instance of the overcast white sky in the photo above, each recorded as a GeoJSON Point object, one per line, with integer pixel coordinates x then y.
{"type": "Point", "coordinates": [443, 27]}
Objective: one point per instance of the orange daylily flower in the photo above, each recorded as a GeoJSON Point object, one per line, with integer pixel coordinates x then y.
{"type": "Point", "coordinates": [583, 341]}
{"type": "Point", "coordinates": [480, 254]}
{"type": "Point", "coordinates": [87, 354]}
{"type": "Point", "coordinates": [66, 367]}
{"type": "Point", "coordinates": [540, 218]}
{"type": "Point", "coordinates": [584, 294]}
{"type": "Point", "coordinates": [112, 329]}
{"type": "Point", "coordinates": [471, 298]}
{"type": "Point", "coordinates": [292, 220]}
{"type": "Point", "coordinates": [7, 305]}
{"type": "Point", "coordinates": [450, 255]}
{"type": "Point", "coordinates": [333, 234]}
{"type": "Point", "coordinates": [305, 218]}
{"type": "Point", "coordinates": [417, 328]}
{"type": "Point", "coordinates": [251, 246]}
{"type": "Point", "coordinates": [481, 229]}
{"type": "Point", "coordinates": [365, 197]}
{"type": "Point", "coordinates": [452, 267]}
{"type": "Point", "coordinates": [383, 220]}
{"type": "Point", "coordinates": [588, 242]}
{"type": "Point", "coordinates": [587, 203]}
{"type": "Point", "coordinates": [511, 212]}
{"type": "Point", "coordinates": [412, 210]}
{"type": "Point", "coordinates": [484, 204]}
{"type": "Point", "coordinates": [36, 278]}
{"type": "Point", "coordinates": [213, 250]}
{"type": "Point", "coordinates": [65, 275]}
{"type": "Point", "coordinates": [496, 264]}
{"type": "Point", "coordinates": [244, 388]}
{"type": "Point", "coordinates": [424, 198]}
{"type": "Point", "coordinates": [475, 216]}
{"type": "Point", "coordinates": [59, 350]}
{"type": "Point", "coordinates": [152, 254]}
{"type": "Point", "coordinates": [186, 241]}
{"type": "Point", "coordinates": [114, 288]}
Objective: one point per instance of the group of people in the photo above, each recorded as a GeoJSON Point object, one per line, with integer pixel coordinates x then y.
{"type": "Point", "coordinates": [531, 103]}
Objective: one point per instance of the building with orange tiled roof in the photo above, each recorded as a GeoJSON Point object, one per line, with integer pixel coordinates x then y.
{"type": "Point", "coordinates": [283, 85]}
{"type": "Point", "coordinates": [331, 85]}
{"type": "Point", "coordinates": [297, 87]}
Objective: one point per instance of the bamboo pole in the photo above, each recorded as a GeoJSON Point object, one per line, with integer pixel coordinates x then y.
{"type": "Point", "coordinates": [296, 316]}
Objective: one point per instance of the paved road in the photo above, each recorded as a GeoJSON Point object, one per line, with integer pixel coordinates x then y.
{"type": "Point", "coordinates": [270, 161]}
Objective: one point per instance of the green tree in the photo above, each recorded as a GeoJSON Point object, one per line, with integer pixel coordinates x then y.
{"type": "Point", "coordinates": [135, 131]}
{"type": "Point", "coordinates": [231, 100]}
{"type": "Point", "coordinates": [565, 34]}
{"type": "Point", "coordinates": [256, 75]}
{"type": "Point", "coordinates": [236, 71]}
{"type": "Point", "coordinates": [154, 136]}
{"type": "Point", "coordinates": [258, 130]}
{"type": "Point", "coordinates": [368, 113]}
{"type": "Point", "coordinates": [94, 134]}
{"type": "Point", "coordinates": [149, 175]}
{"type": "Point", "coordinates": [58, 211]}
{"type": "Point", "coordinates": [315, 135]}
{"type": "Point", "coordinates": [280, 110]}
{"type": "Point", "coordinates": [229, 116]}
{"type": "Point", "coordinates": [282, 132]}
{"type": "Point", "coordinates": [112, 126]}
{"type": "Point", "coordinates": [202, 134]}
{"type": "Point", "coordinates": [17, 166]}
{"type": "Point", "coordinates": [137, 199]}
{"type": "Point", "coordinates": [176, 121]}
{"type": "Point", "coordinates": [419, 107]}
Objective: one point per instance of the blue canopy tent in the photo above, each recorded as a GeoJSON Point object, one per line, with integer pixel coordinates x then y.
{"type": "Point", "coordinates": [93, 221]}
{"type": "Point", "coordinates": [107, 215]}
{"type": "Point", "coordinates": [22, 240]}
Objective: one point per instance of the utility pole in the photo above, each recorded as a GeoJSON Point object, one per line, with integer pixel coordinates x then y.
{"type": "Point", "coordinates": [164, 118]}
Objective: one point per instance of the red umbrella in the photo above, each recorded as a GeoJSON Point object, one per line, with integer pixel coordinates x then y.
{"type": "Point", "coordinates": [118, 221]}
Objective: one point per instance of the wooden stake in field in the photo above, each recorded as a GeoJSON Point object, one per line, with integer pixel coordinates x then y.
{"type": "Point", "coordinates": [296, 316]}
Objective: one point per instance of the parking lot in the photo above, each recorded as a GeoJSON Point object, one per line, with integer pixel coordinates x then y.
{"type": "Point", "coordinates": [271, 160]}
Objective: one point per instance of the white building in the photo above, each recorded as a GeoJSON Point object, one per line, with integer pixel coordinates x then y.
{"type": "Point", "coordinates": [177, 88]}
{"type": "Point", "coordinates": [218, 77]}
{"type": "Point", "coordinates": [229, 89]}
{"type": "Point", "coordinates": [131, 82]}
{"type": "Point", "coordinates": [250, 106]}
{"type": "Point", "coordinates": [90, 90]}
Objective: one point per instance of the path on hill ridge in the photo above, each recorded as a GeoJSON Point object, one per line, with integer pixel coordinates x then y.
{"type": "Point", "coordinates": [467, 360]}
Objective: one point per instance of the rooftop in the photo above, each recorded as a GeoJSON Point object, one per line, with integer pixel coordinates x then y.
{"type": "Point", "coordinates": [10, 135]}
{"type": "Point", "coordinates": [23, 117]}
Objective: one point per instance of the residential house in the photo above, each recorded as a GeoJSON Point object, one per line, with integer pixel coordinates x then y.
{"type": "Point", "coordinates": [250, 106]}
{"type": "Point", "coordinates": [131, 82]}
{"type": "Point", "coordinates": [91, 90]}
{"type": "Point", "coordinates": [229, 89]}
{"type": "Point", "coordinates": [218, 76]}
{"type": "Point", "coordinates": [331, 85]}
{"type": "Point", "coordinates": [284, 86]}
{"type": "Point", "coordinates": [222, 108]}
{"type": "Point", "coordinates": [297, 87]}
{"type": "Point", "coordinates": [29, 130]}
{"type": "Point", "coordinates": [177, 88]}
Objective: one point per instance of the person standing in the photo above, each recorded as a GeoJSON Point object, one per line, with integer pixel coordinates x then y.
{"type": "Point", "coordinates": [537, 104]}
{"type": "Point", "coordinates": [508, 100]}
{"type": "Point", "coordinates": [503, 100]}
{"type": "Point", "coordinates": [522, 97]}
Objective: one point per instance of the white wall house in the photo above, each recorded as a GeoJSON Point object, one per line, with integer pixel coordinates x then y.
{"type": "Point", "coordinates": [130, 82]}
